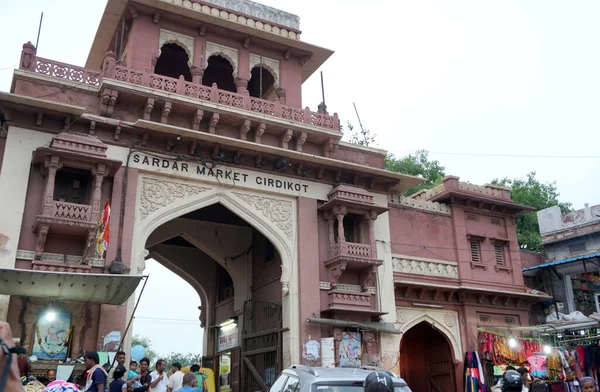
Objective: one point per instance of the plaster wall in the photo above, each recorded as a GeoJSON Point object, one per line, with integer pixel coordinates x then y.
{"type": "Point", "coordinates": [561, 250]}
{"type": "Point", "coordinates": [552, 220]}
{"type": "Point", "coordinates": [530, 259]}
{"type": "Point", "coordinates": [20, 144]}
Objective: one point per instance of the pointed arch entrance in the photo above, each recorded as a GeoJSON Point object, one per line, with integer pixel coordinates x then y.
{"type": "Point", "coordinates": [426, 361]}
{"type": "Point", "coordinates": [167, 202]}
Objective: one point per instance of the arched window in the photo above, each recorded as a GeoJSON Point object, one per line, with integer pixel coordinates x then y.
{"type": "Point", "coordinates": [173, 61]}
{"type": "Point", "coordinates": [219, 71]}
{"type": "Point", "coordinates": [261, 74]}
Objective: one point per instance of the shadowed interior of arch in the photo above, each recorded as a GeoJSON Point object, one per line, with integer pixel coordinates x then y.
{"type": "Point", "coordinates": [234, 268]}
{"type": "Point", "coordinates": [261, 74]}
{"type": "Point", "coordinates": [433, 368]}
{"type": "Point", "coordinates": [173, 62]}
{"type": "Point", "coordinates": [219, 71]}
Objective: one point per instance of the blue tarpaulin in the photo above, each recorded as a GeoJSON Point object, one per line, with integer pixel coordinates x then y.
{"type": "Point", "coordinates": [560, 262]}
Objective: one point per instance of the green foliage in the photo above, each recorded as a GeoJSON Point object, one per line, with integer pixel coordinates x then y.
{"type": "Point", "coordinates": [184, 359]}
{"type": "Point", "coordinates": [147, 343]}
{"type": "Point", "coordinates": [362, 137]}
{"type": "Point", "coordinates": [533, 193]}
{"type": "Point", "coordinates": [417, 164]}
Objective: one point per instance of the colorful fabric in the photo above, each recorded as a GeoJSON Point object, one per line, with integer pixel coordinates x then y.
{"type": "Point", "coordinates": [61, 386]}
{"type": "Point", "coordinates": [103, 233]}
{"type": "Point", "coordinates": [538, 365]}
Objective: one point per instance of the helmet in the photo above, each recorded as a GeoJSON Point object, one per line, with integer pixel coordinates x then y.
{"type": "Point", "coordinates": [378, 382]}
{"type": "Point", "coordinates": [512, 381]}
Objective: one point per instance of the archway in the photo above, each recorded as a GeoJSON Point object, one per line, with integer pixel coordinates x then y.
{"type": "Point", "coordinates": [426, 361]}
{"type": "Point", "coordinates": [262, 83]}
{"type": "Point", "coordinates": [173, 62]}
{"type": "Point", "coordinates": [239, 274]}
{"type": "Point", "coordinates": [219, 71]}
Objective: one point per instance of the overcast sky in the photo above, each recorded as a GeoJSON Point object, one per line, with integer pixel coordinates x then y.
{"type": "Point", "coordinates": [476, 83]}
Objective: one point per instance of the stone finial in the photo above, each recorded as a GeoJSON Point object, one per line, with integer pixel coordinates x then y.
{"type": "Point", "coordinates": [27, 57]}
{"type": "Point", "coordinates": [322, 108]}
{"type": "Point", "coordinates": [109, 63]}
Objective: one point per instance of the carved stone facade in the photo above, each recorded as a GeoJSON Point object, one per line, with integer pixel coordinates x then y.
{"type": "Point", "coordinates": [269, 64]}
{"type": "Point", "coordinates": [231, 54]}
{"type": "Point", "coordinates": [158, 193]}
{"type": "Point", "coordinates": [184, 41]}
{"type": "Point", "coordinates": [421, 266]}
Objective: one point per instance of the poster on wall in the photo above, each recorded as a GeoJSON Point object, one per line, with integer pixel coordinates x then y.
{"type": "Point", "coordinates": [52, 335]}
{"type": "Point", "coordinates": [327, 353]}
{"type": "Point", "coordinates": [350, 349]}
{"type": "Point", "coordinates": [227, 337]}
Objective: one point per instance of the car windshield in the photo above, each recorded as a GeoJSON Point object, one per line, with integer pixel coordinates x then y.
{"type": "Point", "coordinates": [348, 388]}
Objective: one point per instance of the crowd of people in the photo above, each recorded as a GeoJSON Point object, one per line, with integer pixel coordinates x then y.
{"type": "Point", "coordinates": [14, 373]}
{"type": "Point", "coordinates": [517, 380]}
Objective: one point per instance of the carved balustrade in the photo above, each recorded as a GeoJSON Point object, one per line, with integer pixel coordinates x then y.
{"type": "Point", "coordinates": [72, 211]}
{"type": "Point", "coordinates": [179, 86]}
{"type": "Point", "coordinates": [343, 299]}
{"type": "Point", "coordinates": [350, 249]}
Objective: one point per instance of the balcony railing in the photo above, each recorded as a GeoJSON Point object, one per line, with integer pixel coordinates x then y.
{"type": "Point", "coordinates": [182, 87]}
{"type": "Point", "coordinates": [350, 249]}
{"type": "Point", "coordinates": [72, 211]}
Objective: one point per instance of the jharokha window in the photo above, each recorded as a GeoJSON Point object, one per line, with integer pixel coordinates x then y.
{"type": "Point", "coordinates": [72, 186]}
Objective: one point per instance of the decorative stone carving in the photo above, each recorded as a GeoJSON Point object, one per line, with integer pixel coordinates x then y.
{"type": "Point", "coordinates": [422, 266]}
{"type": "Point", "coordinates": [186, 42]}
{"type": "Point", "coordinates": [142, 260]}
{"type": "Point", "coordinates": [276, 210]}
{"type": "Point", "coordinates": [25, 254]}
{"type": "Point", "coordinates": [269, 64]}
{"type": "Point", "coordinates": [334, 274]}
{"type": "Point", "coordinates": [160, 193]}
{"type": "Point", "coordinates": [419, 204]}
{"type": "Point", "coordinates": [400, 316]}
{"type": "Point", "coordinates": [231, 54]}
{"type": "Point", "coordinates": [450, 319]}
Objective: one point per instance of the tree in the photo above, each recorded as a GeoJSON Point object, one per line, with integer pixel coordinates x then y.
{"type": "Point", "coordinates": [533, 193]}
{"type": "Point", "coordinates": [184, 359]}
{"type": "Point", "coordinates": [147, 343]}
{"type": "Point", "coordinates": [417, 164]}
{"type": "Point", "coordinates": [362, 137]}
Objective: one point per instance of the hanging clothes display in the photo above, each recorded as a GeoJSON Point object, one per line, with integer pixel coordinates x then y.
{"type": "Point", "coordinates": [474, 376]}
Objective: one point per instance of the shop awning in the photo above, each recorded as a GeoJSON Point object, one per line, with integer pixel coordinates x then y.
{"type": "Point", "coordinates": [561, 262]}
{"type": "Point", "coordinates": [69, 286]}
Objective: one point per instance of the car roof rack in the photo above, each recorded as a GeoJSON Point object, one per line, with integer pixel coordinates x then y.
{"type": "Point", "coordinates": [307, 369]}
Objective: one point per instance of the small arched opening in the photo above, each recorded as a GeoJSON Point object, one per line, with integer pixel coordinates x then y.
{"type": "Point", "coordinates": [219, 71]}
{"type": "Point", "coordinates": [173, 62]}
{"type": "Point", "coordinates": [262, 83]}
{"type": "Point", "coordinates": [426, 361]}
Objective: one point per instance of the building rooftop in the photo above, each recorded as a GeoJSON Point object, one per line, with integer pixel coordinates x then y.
{"type": "Point", "coordinates": [552, 222]}
{"type": "Point", "coordinates": [257, 10]}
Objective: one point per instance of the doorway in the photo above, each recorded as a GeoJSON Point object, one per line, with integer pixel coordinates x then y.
{"type": "Point", "coordinates": [426, 360]}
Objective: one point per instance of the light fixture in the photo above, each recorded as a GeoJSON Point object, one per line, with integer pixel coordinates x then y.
{"type": "Point", "coordinates": [547, 349]}
{"type": "Point", "coordinates": [226, 323]}
{"type": "Point", "coordinates": [512, 343]}
{"type": "Point", "coordinates": [559, 336]}
{"type": "Point", "coordinates": [50, 315]}
{"type": "Point", "coordinates": [582, 332]}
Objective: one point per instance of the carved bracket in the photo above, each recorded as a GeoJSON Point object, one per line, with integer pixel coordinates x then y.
{"type": "Point", "coordinates": [334, 274]}
{"type": "Point", "coordinates": [214, 120]}
{"type": "Point", "coordinates": [197, 119]}
{"type": "Point", "coordinates": [244, 128]}
{"type": "Point", "coordinates": [41, 240]}
{"type": "Point", "coordinates": [300, 142]}
{"type": "Point", "coordinates": [165, 112]}
{"type": "Point", "coordinates": [367, 278]}
{"type": "Point", "coordinates": [108, 99]}
{"type": "Point", "coordinates": [260, 130]}
{"type": "Point", "coordinates": [286, 137]}
{"type": "Point", "coordinates": [148, 109]}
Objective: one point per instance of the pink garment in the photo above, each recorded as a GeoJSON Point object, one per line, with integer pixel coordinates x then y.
{"type": "Point", "coordinates": [581, 356]}
{"type": "Point", "coordinates": [538, 365]}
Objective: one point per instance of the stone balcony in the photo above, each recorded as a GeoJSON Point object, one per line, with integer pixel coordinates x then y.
{"type": "Point", "coordinates": [178, 88]}
{"type": "Point", "coordinates": [350, 256]}
{"type": "Point", "coordinates": [67, 218]}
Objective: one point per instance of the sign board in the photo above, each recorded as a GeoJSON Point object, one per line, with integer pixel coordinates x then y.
{"type": "Point", "coordinates": [227, 337]}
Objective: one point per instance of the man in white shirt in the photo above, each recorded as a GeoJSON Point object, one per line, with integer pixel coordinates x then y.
{"type": "Point", "coordinates": [176, 379]}
{"type": "Point", "coordinates": [159, 377]}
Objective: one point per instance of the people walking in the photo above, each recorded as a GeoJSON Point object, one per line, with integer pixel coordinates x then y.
{"type": "Point", "coordinates": [176, 379]}
{"type": "Point", "coordinates": [189, 382]}
{"type": "Point", "coordinates": [160, 379]}
{"type": "Point", "coordinates": [96, 375]}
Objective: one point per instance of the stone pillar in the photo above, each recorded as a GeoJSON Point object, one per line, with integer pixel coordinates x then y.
{"type": "Point", "coordinates": [52, 165]}
{"type": "Point", "coordinates": [109, 64]}
{"type": "Point", "coordinates": [99, 172]}
{"type": "Point", "coordinates": [28, 57]}
{"type": "Point", "coordinates": [242, 85]}
{"type": "Point", "coordinates": [370, 218]}
{"type": "Point", "coordinates": [281, 95]}
{"type": "Point", "coordinates": [339, 214]}
{"type": "Point", "coordinates": [197, 74]}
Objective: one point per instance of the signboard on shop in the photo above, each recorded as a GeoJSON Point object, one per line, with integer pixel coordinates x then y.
{"type": "Point", "coordinates": [227, 337]}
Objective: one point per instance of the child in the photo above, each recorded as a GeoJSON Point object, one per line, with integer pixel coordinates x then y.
{"type": "Point", "coordinates": [134, 375]}
{"type": "Point", "coordinates": [588, 384]}
{"type": "Point", "coordinates": [118, 385]}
